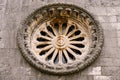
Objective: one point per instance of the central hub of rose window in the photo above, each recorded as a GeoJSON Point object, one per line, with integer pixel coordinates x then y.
{"type": "Point", "coordinates": [60, 42]}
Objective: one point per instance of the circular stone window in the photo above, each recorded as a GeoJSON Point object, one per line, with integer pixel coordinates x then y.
{"type": "Point", "coordinates": [60, 39]}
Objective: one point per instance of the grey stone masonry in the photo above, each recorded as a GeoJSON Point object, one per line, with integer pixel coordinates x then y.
{"type": "Point", "coordinates": [14, 67]}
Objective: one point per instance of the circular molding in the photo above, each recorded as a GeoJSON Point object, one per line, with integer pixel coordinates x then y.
{"type": "Point", "coordinates": [60, 39]}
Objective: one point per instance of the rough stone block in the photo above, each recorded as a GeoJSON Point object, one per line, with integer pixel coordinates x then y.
{"type": "Point", "coordinates": [116, 25]}
{"type": "Point", "coordinates": [102, 77]}
{"type": "Point", "coordinates": [110, 2]}
{"type": "Point", "coordinates": [110, 33]}
{"type": "Point", "coordinates": [110, 42]}
{"type": "Point", "coordinates": [92, 70]}
{"type": "Point", "coordinates": [115, 78]}
{"type": "Point", "coordinates": [117, 8]}
{"type": "Point", "coordinates": [51, 1]}
{"type": "Point", "coordinates": [50, 77]}
{"type": "Point", "coordinates": [80, 3]}
{"type": "Point", "coordinates": [2, 10]}
{"type": "Point", "coordinates": [79, 77]}
{"type": "Point", "coordinates": [9, 39]}
{"type": "Point", "coordinates": [18, 77]}
{"type": "Point", "coordinates": [107, 62]}
{"type": "Point", "coordinates": [111, 71]}
{"type": "Point", "coordinates": [35, 4]}
{"type": "Point", "coordinates": [107, 18]}
{"type": "Point", "coordinates": [26, 2]}
{"type": "Point", "coordinates": [109, 26]}
{"type": "Point", "coordinates": [95, 3]}
{"type": "Point", "coordinates": [95, 71]}
{"type": "Point", "coordinates": [118, 42]}
{"type": "Point", "coordinates": [118, 34]}
{"type": "Point", "coordinates": [60, 1]}
{"type": "Point", "coordinates": [13, 6]}
{"type": "Point", "coordinates": [118, 18]}
{"type": "Point", "coordinates": [2, 23]}
{"type": "Point", "coordinates": [12, 21]}
{"type": "Point", "coordinates": [5, 69]}
{"type": "Point", "coordinates": [10, 57]}
{"type": "Point", "coordinates": [3, 2]}
{"type": "Point", "coordinates": [97, 10]}
{"type": "Point", "coordinates": [111, 11]}
{"type": "Point", "coordinates": [2, 39]}
{"type": "Point", "coordinates": [110, 52]}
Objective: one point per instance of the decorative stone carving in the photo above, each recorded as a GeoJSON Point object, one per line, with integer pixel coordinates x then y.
{"type": "Point", "coordinates": [60, 39]}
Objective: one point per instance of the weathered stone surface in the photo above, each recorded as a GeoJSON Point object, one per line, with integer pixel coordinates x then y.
{"type": "Point", "coordinates": [14, 67]}
{"type": "Point", "coordinates": [110, 42]}
{"type": "Point", "coordinates": [102, 77]}
{"type": "Point", "coordinates": [115, 78]}
{"type": "Point", "coordinates": [110, 33]}
{"type": "Point", "coordinates": [119, 42]}
{"type": "Point", "coordinates": [91, 71]}
{"type": "Point", "coordinates": [110, 52]}
{"type": "Point", "coordinates": [3, 2]}
{"type": "Point", "coordinates": [118, 18]}
{"type": "Point", "coordinates": [107, 18]}
{"type": "Point", "coordinates": [97, 10]}
{"type": "Point", "coordinates": [111, 71]}
{"type": "Point", "coordinates": [79, 77]}
{"type": "Point", "coordinates": [108, 62]}
{"type": "Point", "coordinates": [13, 6]}
{"type": "Point", "coordinates": [110, 2]}
{"type": "Point", "coordinates": [111, 11]}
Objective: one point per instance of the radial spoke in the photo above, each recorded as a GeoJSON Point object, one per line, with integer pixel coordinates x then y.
{"type": "Point", "coordinates": [45, 37]}
{"type": "Point", "coordinates": [60, 30]}
{"type": "Point", "coordinates": [47, 47]}
{"type": "Point", "coordinates": [60, 57]}
{"type": "Point", "coordinates": [54, 30]}
{"type": "Point", "coordinates": [66, 30]}
{"type": "Point", "coordinates": [54, 55]}
{"type": "Point", "coordinates": [50, 34]}
{"type": "Point", "coordinates": [66, 55]}
{"type": "Point", "coordinates": [71, 52]}
{"type": "Point", "coordinates": [75, 37]}
{"type": "Point", "coordinates": [69, 34]}
{"type": "Point", "coordinates": [49, 52]}
{"type": "Point", "coordinates": [80, 49]}
{"type": "Point", "coordinates": [82, 24]}
{"type": "Point", "coordinates": [76, 42]}
{"type": "Point", "coordinates": [74, 47]}
{"type": "Point", "coordinates": [42, 43]}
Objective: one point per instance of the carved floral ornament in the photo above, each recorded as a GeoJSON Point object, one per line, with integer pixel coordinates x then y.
{"type": "Point", "coordinates": [60, 39]}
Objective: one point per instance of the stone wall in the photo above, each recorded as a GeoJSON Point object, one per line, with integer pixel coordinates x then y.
{"type": "Point", "coordinates": [14, 67]}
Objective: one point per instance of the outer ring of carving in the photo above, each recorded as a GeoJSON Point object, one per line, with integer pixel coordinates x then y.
{"type": "Point", "coordinates": [94, 52]}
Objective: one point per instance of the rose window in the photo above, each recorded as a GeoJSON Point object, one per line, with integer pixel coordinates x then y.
{"type": "Point", "coordinates": [60, 39]}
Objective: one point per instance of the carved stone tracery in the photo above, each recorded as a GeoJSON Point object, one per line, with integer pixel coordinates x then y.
{"type": "Point", "coordinates": [60, 39]}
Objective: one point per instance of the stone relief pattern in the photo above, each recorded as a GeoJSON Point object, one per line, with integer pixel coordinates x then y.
{"type": "Point", "coordinates": [47, 12]}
